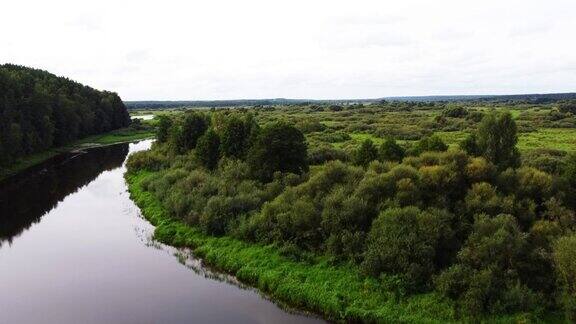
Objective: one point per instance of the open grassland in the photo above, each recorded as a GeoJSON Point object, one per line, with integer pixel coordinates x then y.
{"type": "Point", "coordinates": [553, 138]}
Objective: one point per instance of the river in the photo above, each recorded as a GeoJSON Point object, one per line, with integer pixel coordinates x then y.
{"type": "Point", "coordinates": [75, 249]}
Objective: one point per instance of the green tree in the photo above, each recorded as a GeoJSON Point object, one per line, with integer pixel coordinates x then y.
{"type": "Point", "coordinates": [278, 147]}
{"type": "Point", "coordinates": [163, 130]}
{"type": "Point", "coordinates": [569, 174]}
{"type": "Point", "coordinates": [208, 149]}
{"type": "Point", "coordinates": [234, 137]}
{"type": "Point", "coordinates": [496, 140]}
{"type": "Point", "coordinates": [486, 276]}
{"type": "Point", "coordinates": [193, 126]}
{"type": "Point", "coordinates": [366, 153]}
{"type": "Point", "coordinates": [431, 143]}
{"type": "Point", "coordinates": [391, 151]}
{"type": "Point", "coordinates": [470, 145]}
{"type": "Point", "coordinates": [565, 260]}
{"type": "Point", "coordinates": [405, 242]}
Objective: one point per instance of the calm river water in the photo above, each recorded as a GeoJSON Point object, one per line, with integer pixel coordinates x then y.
{"type": "Point", "coordinates": [74, 249]}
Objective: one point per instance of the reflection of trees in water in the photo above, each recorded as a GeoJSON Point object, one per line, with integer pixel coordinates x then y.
{"type": "Point", "coordinates": [25, 198]}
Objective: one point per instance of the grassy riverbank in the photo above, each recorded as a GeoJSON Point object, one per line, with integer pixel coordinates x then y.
{"type": "Point", "coordinates": [338, 292]}
{"type": "Point", "coordinates": [117, 136]}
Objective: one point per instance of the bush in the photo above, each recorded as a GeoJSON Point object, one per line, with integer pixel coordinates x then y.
{"type": "Point", "coordinates": [366, 153]}
{"type": "Point", "coordinates": [278, 147]}
{"type": "Point", "coordinates": [208, 149]}
{"type": "Point", "coordinates": [404, 242]}
{"type": "Point", "coordinates": [565, 261]}
{"type": "Point", "coordinates": [146, 160]}
{"type": "Point", "coordinates": [391, 151]}
{"type": "Point", "coordinates": [431, 143]}
{"type": "Point", "coordinates": [486, 277]}
{"type": "Point", "coordinates": [326, 153]}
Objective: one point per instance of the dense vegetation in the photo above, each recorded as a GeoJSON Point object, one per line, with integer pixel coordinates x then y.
{"type": "Point", "coordinates": [480, 224]}
{"type": "Point", "coordinates": [39, 110]}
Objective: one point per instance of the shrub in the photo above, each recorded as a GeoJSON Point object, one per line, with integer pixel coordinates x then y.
{"type": "Point", "coordinates": [366, 153]}
{"type": "Point", "coordinates": [278, 147]}
{"type": "Point", "coordinates": [326, 153]}
{"type": "Point", "coordinates": [391, 151]}
{"type": "Point", "coordinates": [486, 277]}
{"type": "Point", "coordinates": [146, 160]}
{"type": "Point", "coordinates": [404, 242]}
{"type": "Point", "coordinates": [565, 261]}
{"type": "Point", "coordinates": [431, 143]}
{"type": "Point", "coordinates": [208, 149]}
{"type": "Point", "coordinates": [235, 135]}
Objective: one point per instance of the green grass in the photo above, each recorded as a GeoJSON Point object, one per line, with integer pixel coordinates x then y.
{"type": "Point", "coordinates": [452, 139]}
{"type": "Point", "coordinates": [554, 138]}
{"type": "Point", "coordinates": [337, 292]}
{"type": "Point", "coordinates": [113, 137]}
{"type": "Point", "coordinates": [117, 136]}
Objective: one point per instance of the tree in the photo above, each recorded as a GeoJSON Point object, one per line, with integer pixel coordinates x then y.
{"type": "Point", "coordinates": [391, 151]}
{"type": "Point", "coordinates": [405, 242]}
{"type": "Point", "coordinates": [568, 107]}
{"type": "Point", "coordinates": [193, 126]}
{"type": "Point", "coordinates": [366, 153]}
{"type": "Point", "coordinates": [565, 261]}
{"type": "Point", "coordinates": [431, 143]}
{"type": "Point", "coordinates": [569, 174]}
{"type": "Point", "coordinates": [470, 145]}
{"type": "Point", "coordinates": [486, 276]}
{"type": "Point", "coordinates": [278, 147]}
{"type": "Point", "coordinates": [39, 110]}
{"type": "Point", "coordinates": [234, 137]}
{"type": "Point", "coordinates": [496, 140]}
{"type": "Point", "coordinates": [208, 149]}
{"type": "Point", "coordinates": [163, 130]}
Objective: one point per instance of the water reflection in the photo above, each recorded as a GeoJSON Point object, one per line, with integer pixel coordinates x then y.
{"type": "Point", "coordinates": [27, 196]}
{"type": "Point", "coordinates": [89, 258]}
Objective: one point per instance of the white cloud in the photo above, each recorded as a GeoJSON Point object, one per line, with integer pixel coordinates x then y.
{"type": "Point", "coordinates": [222, 49]}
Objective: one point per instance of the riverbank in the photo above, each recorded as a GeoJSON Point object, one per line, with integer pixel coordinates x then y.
{"type": "Point", "coordinates": [337, 292]}
{"type": "Point", "coordinates": [123, 135]}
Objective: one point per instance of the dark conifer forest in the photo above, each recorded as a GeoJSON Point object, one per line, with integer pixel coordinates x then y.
{"type": "Point", "coordinates": [39, 111]}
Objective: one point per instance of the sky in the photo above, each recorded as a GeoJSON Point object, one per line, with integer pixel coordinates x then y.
{"type": "Point", "coordinates": [314, 49]}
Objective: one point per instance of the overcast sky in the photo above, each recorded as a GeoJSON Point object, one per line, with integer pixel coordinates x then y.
{"type": "Point", "coordinates": [216, 49]}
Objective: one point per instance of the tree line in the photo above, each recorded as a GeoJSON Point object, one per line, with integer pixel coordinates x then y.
{"type": "Point", "coordinates": [39, 110]}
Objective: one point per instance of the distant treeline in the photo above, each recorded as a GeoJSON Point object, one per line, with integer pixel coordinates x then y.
{"type": "Point", "coordinates": [521, 98]}
{"type": "Point", "coordinates": [39, 110]}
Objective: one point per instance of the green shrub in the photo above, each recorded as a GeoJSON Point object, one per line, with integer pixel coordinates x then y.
{"type": "Point", "coordinates": [147, 160]}
{"type": "Point", "coordinates": [404, 242]}
{"type": "Point", "coordinates": [565, 261]}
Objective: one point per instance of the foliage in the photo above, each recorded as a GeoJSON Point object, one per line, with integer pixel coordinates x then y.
{"type": "Point", "coordinates": [366, 153]}
{"type": "Point", "coordinates": [187, 134]}
{"type": "Point", "coordinates": [405, 241]}
{"type": "Point", "coordinates": [208, 149]}
{"type": "Point", "coordinates": [565, 260]}
{"type": "Point", "coordinates": [278, 147]}
{"type": "Point", "coordinates": [39, 111]}
{"type": "Point", "coordinates": [496, 140]}
{"type": "Point", "coordinates": [163, 129]}
{"type": "Point", "coordinates": [235, 137]}
{"type": "Point", "coordinates": [431, 144]}
{"type": "Point", "coordinates": [391, 151]}
{"type": "Point", "coordinates": [452, 222]}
